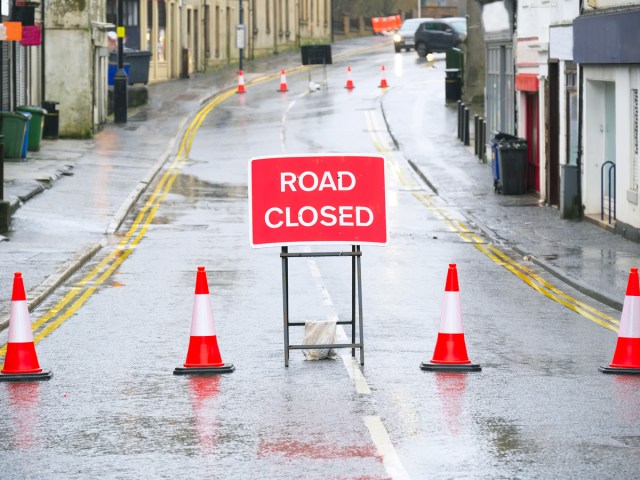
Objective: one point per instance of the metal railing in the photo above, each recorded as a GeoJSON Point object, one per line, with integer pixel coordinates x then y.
{"type": "Point", "coordinates": [611, 190]}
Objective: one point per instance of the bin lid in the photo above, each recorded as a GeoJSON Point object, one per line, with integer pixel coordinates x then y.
{"type": "Point", "coordinates": [16, 115]}
{"type": "Point", "coordinates": [500, 136]}
{"type": "Point", "coordinates": [31, 109]}
{"type": "Point", "coordinates": [517, 144]}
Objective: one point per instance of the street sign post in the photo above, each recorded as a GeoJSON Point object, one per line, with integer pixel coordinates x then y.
{"type": "Point", "coordinates": [319, 199]}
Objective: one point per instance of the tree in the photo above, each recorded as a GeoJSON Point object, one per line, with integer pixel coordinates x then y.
{"type": "Point", "coordinates": [365, 8]}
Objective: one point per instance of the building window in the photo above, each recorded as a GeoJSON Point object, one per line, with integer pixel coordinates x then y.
{"type": "Point", "coordinates": [156, 28]}
{"type": "Point", "coordinates": [130, 11]}
{"type": "Point", "coordinates": [130, 20]}
{"type": "Point", "coordinates": [268, 16]}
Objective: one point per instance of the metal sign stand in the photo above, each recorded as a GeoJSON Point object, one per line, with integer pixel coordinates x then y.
{"type": "Point", "coordinates": [356, 302]}
{"type": "Point", "coordinates": [325, 80]}
{"type": "Point", "coordinates": [317, 55]}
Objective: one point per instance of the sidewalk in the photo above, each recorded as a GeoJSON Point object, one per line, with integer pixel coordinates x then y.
{"type": "Point", "coordinates": [107, 174]}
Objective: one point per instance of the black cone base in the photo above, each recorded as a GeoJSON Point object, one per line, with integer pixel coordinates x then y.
{"type": "Point", "coordinates": [450, 367]}
{"type": "Point", "coordinates": [226, 368]}
{"type": "Point", "coordinates": [625, 371]}
{"type": "Point", "coordinates": [25, 377]}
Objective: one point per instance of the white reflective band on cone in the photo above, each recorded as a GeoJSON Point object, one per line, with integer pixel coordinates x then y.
{"type": "Point", "coordinates": [451, 315]}
{"type": "Point", "coordinates": [19, 324]}
{"type": "Point", "coordinates": [630, 320]}
{"type": "Point", "coordinates": [202, 317]}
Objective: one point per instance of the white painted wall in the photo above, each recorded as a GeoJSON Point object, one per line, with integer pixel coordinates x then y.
{"type": "Point", "coordinates": [70, 80]}
{"type": "Point", "coordinates": [625, 78]}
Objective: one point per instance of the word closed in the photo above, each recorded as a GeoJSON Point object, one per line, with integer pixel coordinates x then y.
{"type": "Point", "coordinates": [315, 199]}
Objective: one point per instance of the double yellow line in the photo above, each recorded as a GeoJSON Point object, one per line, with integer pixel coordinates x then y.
{"type": "Point", "coordinates": [87, 286]}
{"type": "Point", "coordinates": [406, 180]}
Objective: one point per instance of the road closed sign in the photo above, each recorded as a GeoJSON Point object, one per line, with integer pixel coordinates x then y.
{"type": "Point", "coordinates": [316, 199]}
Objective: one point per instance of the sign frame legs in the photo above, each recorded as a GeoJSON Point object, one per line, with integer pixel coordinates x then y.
{"type": "Point", "coordinates": [356, 302]}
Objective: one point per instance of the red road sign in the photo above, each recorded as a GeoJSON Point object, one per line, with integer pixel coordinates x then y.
{"type": "Point", "coordinates": [311, 199]}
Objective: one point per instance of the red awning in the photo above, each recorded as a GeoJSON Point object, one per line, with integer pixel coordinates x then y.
{"type": "Point", "coordinates": [527, 82]}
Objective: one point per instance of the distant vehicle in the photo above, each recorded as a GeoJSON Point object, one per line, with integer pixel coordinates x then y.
{"type": "Point", "coordinates": [403, 38]}
{"type": "Point", "coordinates": [439, 35]}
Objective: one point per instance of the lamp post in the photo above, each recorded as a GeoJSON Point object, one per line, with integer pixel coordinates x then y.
{"type": "Point", "coordinates": [120, 78]}
{"type": "Point", "coordinates": [419, 11]}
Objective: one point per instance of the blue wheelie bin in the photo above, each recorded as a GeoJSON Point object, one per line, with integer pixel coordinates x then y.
{"type": "Point", "coordinates": [25, 143]}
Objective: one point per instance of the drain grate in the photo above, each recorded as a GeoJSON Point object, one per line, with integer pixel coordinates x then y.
{"type": "Point", "coordinates": [629, 441]}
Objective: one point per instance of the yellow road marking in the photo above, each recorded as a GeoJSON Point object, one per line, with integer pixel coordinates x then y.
{"type": "Point", "coordinates": [496, 255]}
{"type": "Point", "coordinates": [87, 286]}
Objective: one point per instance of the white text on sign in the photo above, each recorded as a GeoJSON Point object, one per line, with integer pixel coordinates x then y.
{"type": "Point", "coordinates": [328, 216]}
{"type": "Point", "coordinates": [309, 181]}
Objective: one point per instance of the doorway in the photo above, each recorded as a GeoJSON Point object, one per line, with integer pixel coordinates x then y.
{"type": "Point", "coordinates": [553, 175]}
{"type": "Point", "coordinates": [532, 136]}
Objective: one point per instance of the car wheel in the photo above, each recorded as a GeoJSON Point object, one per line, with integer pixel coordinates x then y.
{"type": "Point", "coordinates": [422, 50]}
{"type": "Point", "coordinates": [398, 48]}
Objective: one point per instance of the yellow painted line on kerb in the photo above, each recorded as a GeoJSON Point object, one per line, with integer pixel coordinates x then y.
{"type": "Point", "coordinates": [82, 291]}
{"type": "Point", "coordinates": [499, 257]}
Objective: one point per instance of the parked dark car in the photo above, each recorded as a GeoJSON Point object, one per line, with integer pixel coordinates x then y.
{"type": "Point", "coordinates": [439, 35]}
{"type": "Point", "coordinates": [403, 38]}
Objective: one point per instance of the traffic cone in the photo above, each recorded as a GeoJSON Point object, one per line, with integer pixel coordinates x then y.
{"type": "Point", "coordinates": [203, 356]}
{"type": "Point", "coordinates": [349, 84]}
{"type": "Point", "coordinates": [383, 80]}
{"type": "Point", "coordinates": [241, 88]}
{"type": "Point", "coordinates": [450, 353]}
{"type": "Point", "coordinates": [21, 361]}
{"type": "Point", "coordinates": [626, 358]}
{"type": "Point", "coordinates": [283, 82]}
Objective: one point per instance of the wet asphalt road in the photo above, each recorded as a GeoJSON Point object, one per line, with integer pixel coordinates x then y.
{"type": "Point", "coordinates": [538, 409]}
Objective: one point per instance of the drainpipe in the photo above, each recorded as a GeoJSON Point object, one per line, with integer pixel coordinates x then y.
{"type": "Point", "coordinates": [42, 55]}
{"type": "Point", "coordinates": [1, 62]}
{"type": "Point", "coordinates": [580, 121]}
{"type": "Point", "coordinates": [579, 155]}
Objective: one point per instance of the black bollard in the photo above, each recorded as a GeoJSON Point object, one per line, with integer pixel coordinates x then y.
{"type": "Point", "coordinates": [481, 141]}
{"type": "Point", "coordinates": [466, 126]}
{"type": "Point", "coordinates": [5, 214]}
{"type": "Point", "coordinates": [476, 138]}
{"type": "Point", "coordinates": [460, 105]}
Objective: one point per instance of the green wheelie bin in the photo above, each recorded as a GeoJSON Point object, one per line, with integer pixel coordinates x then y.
{"type": "Point", "coordinates": [36, 125]}
{"type": "Point", "coordinates": [14, 127]}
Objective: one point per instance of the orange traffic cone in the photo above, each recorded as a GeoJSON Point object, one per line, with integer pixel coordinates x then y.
{"type": "Point", "coordinates": [283, 82]}
{"type": "Point", "coordinates": [241, 88]}
{"type": "Point", "coordinates": [626, 358]}
{"type": "Point", "coordinates": [21, 361]}
{"type": "Point", "coordinates": [450, 353]}
{"type": "Point", "coordinates": [383, 80]}
{"type": "Point", "coordinates": [203, 355]}
{"type": "Point", "coordinates": [349, 84]}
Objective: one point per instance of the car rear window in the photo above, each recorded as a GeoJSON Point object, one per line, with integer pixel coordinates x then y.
{"type": "Point", "coordinates": [411, 25]}
{"type": "Point", "coordinates": [459, 25]}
